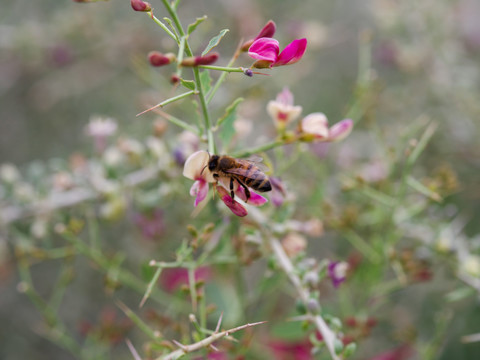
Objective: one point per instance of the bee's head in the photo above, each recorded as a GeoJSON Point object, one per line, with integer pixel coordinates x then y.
{"type": "Point", "coordinates": [213, 162]}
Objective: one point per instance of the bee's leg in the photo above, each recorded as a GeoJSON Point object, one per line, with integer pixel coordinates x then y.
{"type": "Point", "coordinates": [232, 194]}
{"type": "Point", "coordinates": [247, 191]}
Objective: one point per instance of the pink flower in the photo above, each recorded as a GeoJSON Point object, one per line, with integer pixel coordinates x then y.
{"type": "Point", "coordinates": [266, 51]}
{"type": "Point", "coordinates": [196, 168]}
{"type": "Point", "coordinates": [315, 127]}
{"type": "Point", "coordinates": [267, 32]}
{"type": "Point", "coordinates": [337, 272]}
{"type": "Point", "coordinates": [282, 110]}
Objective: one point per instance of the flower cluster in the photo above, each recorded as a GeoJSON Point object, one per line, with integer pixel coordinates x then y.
{"type": "Point", "coordinates": [196, 169]}
{"type": "Point", "coordinates": [313, 127]}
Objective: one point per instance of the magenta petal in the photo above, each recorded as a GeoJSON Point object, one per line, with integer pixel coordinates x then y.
{"type": "Point", "coordinates": [264, 49]}
{"type": "Point", "coordinates": [254, 199]}
{"type": "Point", "coordinates": [235, 206]}
{"type": "Point", "coordinates": [199, 189]}
{"type": "Point", "coordinates": [292, 53]}
{"type": "Point", "coordinates": [267, 31]}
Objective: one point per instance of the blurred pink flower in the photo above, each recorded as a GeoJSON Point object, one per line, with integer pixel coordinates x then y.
{"type": "Point", "coordinates": [267, 32]}
{"type": "Point", "coordinates": [315, 127]}
{"type": "Point", "coordinates": [100, 129]}
{"type": "Point", "coordinates": [172, 278]}
{"type": "Point", "coordinates": [278, 193]}
{"type": "Point", "coordinates": [402, 352]}
{"type": "Point", "coordinates": [266, 52]}
{"type": "Point", "coordinates": [337, 272]}
{"type": "Point", "coordinates": [151, 225]}
{"type": "Point", "coordinates": [299, 350]}
{"type": "Point", "coordinates": [282, 110]}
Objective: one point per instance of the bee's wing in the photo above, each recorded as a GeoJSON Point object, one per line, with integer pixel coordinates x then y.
{"type": "Point", "coordinates": [254, 159]}
{"type": "Point", "coordinates": [243, 172]}
{"type": "Point", "coordinates": [257, 161]}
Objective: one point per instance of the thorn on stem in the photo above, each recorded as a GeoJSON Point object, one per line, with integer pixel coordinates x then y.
{"type": "Point", "coordinates": [219, 322]}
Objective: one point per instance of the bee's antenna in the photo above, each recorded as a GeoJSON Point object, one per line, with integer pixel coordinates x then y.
{"type": "Point", "coordinates": [209, 156]}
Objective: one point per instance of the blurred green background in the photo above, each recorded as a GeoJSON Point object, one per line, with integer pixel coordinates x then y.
{"type": "Point", "coordinates": [61, 62]}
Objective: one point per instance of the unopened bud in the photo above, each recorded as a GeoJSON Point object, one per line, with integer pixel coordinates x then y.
{"type": "Point", "coordinates": [248, 72]}
{"type": "Point", "coordinates": [267, 31]}
{"type": "Point", "coordinates": [175, 79]}
{"type": "Point", "coordinates": [156, 58]}
{"type": "Point", "coordinates": [201, 60]}
{"type": "Point", "coordinates": [139, 5]}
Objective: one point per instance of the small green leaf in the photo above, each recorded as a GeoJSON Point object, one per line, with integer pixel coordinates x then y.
{"type": "Point", "coordinates": [226, 121]}
{"type": "Point", "coordinates": [189, 84]}
{"type": "Point", "coordinates": [214, 41]}
{"type": "Point", "coordinates": [206, 81]}
{"type": "Point", "coordinates": [191, 28]}
{"type": "Point", "coordinates": [170, 23]}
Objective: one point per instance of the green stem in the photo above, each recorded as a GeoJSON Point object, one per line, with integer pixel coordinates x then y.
{"type": "Point", "coordinates": [227, 68]}
{"type": "Point", "coordinates": [163, 26]}
{"type": "Point", "coordinates": [198, 83]}
{"type": "Point", "coordinates": [259, 149]}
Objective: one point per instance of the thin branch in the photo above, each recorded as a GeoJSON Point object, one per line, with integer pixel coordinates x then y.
{"type": "Point", "coordinates": [132, 350]}
{"type": "Point", "coordinates": [287, 266]}
{"type": "Point", "coordinates": [184, 349]}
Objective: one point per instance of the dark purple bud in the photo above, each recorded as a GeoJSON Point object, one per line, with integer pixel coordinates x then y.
{"type": "Point", "coordinates": [248, 72]}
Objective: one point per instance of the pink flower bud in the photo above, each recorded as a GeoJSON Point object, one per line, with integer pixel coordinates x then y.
{"type": "Point", "coordinates": [156, 58]}
{"type": "Point", "coordinates": [201, 60]}
{"type": "Point", "coordinates": [139, 5]}
{"type": "Point", "coordinates": [267, 32]}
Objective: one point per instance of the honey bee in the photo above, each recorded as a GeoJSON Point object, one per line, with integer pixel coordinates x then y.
{"type": "Point", "coordinates": [246, 172]}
